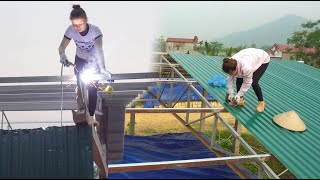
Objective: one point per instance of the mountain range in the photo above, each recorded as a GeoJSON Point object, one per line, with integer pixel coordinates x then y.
{"type": "Point", "coordinates": [277, 31]}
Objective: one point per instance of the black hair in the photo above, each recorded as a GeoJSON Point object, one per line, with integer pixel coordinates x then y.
{"type": "Point", "coordinates": [77, 12]}
{"type": "Point", "coordinates": [229, 65]}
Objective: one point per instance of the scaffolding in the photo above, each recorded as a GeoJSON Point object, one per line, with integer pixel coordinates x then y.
{"type": "Point", "coordinates": [206, 107]}
{"type": "Point", "coordinates": [45, 97]}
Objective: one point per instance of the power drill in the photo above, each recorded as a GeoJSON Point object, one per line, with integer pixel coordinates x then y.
{"type": "Point", "coordinates": [231, 103]}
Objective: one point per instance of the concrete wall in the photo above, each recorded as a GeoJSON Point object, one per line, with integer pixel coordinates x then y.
{"type": "Point", "coordinates": [183, 48]}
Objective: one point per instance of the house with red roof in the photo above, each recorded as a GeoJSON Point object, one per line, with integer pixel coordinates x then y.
{"type": "Point", "coordinates": [286, 51]}
{"type": "Point", "coordinates": [182, 45]}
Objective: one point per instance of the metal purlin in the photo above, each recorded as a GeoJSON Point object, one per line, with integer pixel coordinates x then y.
{"type": "Point", "coordinates": [263, 165]}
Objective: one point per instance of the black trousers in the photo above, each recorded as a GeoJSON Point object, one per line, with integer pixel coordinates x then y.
{"type": "Point", "coordinates": [82, 64]}
{"type": "Point", "coordinates": [255, 81]}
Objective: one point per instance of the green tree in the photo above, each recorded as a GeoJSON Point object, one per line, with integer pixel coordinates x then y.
{"type": "Point", "coordinates": [160, 45]}
{"type": "Point", "coordinates": [207, 48]}
{"type": "Point", "coordinates": [266, 47]}
{"type": "Point", "coordinates": [239, 48]}
{"type": "Point", "coordinates": [308, 37]}
{"type": "Point", "coordinates": [229, 52]}
{"type": "Point", "coordinates": [210, 48]}
{"type": "Point", "coordinates": [253, 45]}
{"type": "Point", "coordinates": [216, 47]}
{"type": "Point", "coordinates": [200, 43]}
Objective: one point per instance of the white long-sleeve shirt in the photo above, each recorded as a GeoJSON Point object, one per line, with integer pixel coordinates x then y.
{"type": "Point", "coordinates": [248, 61]}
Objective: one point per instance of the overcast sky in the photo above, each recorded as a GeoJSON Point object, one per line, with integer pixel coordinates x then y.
{"type": "Point", "coordinates": [32, 31]}
{"type": "Point", "coordinates": [215, 19]}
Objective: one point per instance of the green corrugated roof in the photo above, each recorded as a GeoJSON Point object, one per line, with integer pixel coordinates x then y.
{"type": "Point", "coordinates": [287, 85]}
{"type": "Point", "coordinates": [56, 152]}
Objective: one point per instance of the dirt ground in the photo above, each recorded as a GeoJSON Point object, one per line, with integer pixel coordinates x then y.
{"type": "Point", "coordinates": [160, 123]}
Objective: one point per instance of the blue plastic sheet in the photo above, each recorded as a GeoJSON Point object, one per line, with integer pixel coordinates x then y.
{"type": "Point", "coordinates": [218, 80]}
{"type": "Point", "coordinates": [170, 147]}
{"type": "Point", "coordinates": [178, 90]}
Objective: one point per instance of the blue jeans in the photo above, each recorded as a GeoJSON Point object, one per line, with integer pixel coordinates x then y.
{"type": "Point", "coordinates": [81, 65]}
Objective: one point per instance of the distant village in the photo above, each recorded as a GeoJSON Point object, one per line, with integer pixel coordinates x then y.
{"type": "Point", "coordinates": [276, 51]}
{"type": "Point", "coordinates": [193, 46]}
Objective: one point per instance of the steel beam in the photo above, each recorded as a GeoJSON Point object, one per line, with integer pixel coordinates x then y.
{"type": "Point", "coordinates": [267, 169]}
{"type": "Point", "coordinates": [170, 110]}
{"type": "Point", "coordinates": [56, 88]}
{"type": "Point", "coordinates": [201, 119]}
{"type": "Point", "coordinates": [204, 141]}
{"type": "Point", "coordinates": [72, 78]}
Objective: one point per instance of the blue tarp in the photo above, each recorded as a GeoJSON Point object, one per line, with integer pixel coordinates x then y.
{"type": "Point", "coordinates": [170, 147]}
{"type": "Point", "coordinates": [178, 90]}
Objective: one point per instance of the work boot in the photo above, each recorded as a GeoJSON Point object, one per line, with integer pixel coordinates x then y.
{"type": "Point", "coordinates": [241, 102]}
{"type": "Point", "coordinates": [94, 121]}
{"type": "Point", "coordinates": [260, 106]}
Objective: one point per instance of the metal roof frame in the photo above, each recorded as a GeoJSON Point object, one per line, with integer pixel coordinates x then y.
{"type": "Point", "coordinates": [292, 79]}
{"type": "Point", "coordinates": [210, 145]}
{"type": "Point", "coordinates": [48, 97]}
{"type": "Point", "coordinates": [40, 97]}
{"type": "Point", "coordinates": [72, 78]}
{"type": "Point", "coordinates": [44, 97]}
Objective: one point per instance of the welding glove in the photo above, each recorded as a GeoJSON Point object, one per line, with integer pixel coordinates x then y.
{"type": "Point", "coordinates": [106, 73]}
{"type": "Point", "coordinates": [236, 100]}
{"type": "Point", "coordinates": [64, 59]}
{"type": "Point", "coordinates": [230, 97]}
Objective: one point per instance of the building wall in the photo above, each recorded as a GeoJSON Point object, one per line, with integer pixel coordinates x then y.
{"type": "Point", "coordinates": [183, 48]}
{"type": "Point", "coordinates": [286, 56]}
{"type": "Point", "coordinates": [278, 53]}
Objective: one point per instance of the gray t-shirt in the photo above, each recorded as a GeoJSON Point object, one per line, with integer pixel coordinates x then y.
{"type": "Point", "coordinates": [85, 44]}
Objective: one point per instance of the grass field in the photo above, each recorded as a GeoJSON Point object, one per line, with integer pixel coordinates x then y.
{"type": "Point", "coordinates": [160, 123]}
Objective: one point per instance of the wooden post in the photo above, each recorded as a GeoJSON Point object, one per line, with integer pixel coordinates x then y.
{"type": "Point", "coordinates": [236, 142]}
{"type": "Point", "coordinates": [132, 123]}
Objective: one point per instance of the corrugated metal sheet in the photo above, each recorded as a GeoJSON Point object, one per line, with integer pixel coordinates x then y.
{"type": "Point", "coordinates": [56, 152]}
{"type": "Point", "coordinates": [287, 85]}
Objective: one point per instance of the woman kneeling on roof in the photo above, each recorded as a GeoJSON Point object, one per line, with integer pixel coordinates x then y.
{"type": "Point", "coordinates": [248, 66]}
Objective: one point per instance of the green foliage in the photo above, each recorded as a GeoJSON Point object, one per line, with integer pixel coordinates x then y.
{"type": "Point", "coordinates": [224, 139]}
{"type": "Point", "coordinates": [229, 52]}
{"type": "Point", "coordinates": [266, 47]}
{"type": "Point", "coordinates": [239, 48]}
{"type": "Point", "coordinates": [160, 45]}
{"type": "Point", "coordinates": [210, 48]}
{"type": "Point", "coordinates": [308, 37]}
{"type": "Point", "coordinates": [253, 45]}
{"type": "Point", "coordinates": [200, 43]}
